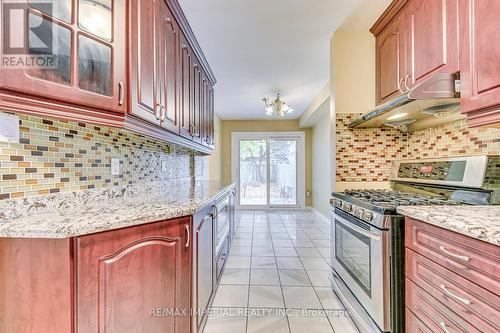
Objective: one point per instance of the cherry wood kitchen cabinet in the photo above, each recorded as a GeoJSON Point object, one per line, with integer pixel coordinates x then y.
{"type": "Point", "coordinates": [452, 281]}
{"type": "Point", "coordinates": [124, 275]}
{"type": "Point", "coordinates": [139, 68]}
{"type": "Point", "coordinates": [479, 65]}
{"type": "Point", "coordinates": [390, 60]}
{"type": "Point", "coordinates": [414, 40]}
{"type": "Point", "coordinates": [145, 74]}
{"type": "Point", "coordinates": [196, 109]}
{"type": "Point", "coordinates": [154, 72]}
{"type": "Point", "coordinates": [89, 61]}
{"type": "Point", "coordinates": [187, 87]}
{"type": "Point", "coordinates": [431, 39]}
{"type": "Point", "coordinates": [122, 280]}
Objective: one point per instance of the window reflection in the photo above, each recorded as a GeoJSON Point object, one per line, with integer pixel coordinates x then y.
{"type": "Point", "coordinates": [94, 66]}
{"type": "Point", "coordinates": [60, 9]}
{"type": "Point", "coordinates": [95, 17]}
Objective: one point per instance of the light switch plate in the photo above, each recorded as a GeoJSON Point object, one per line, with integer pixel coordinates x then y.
{"type": "Point", "coordinates": [115, 166]}
{"type": "Point", "coordinates": [9, 128]}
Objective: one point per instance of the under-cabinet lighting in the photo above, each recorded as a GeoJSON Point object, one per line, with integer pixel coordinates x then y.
{"type": "Point", "coordinates": [397, 116]}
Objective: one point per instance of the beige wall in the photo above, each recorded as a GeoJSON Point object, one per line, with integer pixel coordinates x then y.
{"type": "Point", "coordinates": [229, 126]}
{"type": "Point", "coordinates": [215, 160]}
{"type": "Point", "coordinates": [321, 190]}
{"type": "Point", "coordinates": [352, 85]}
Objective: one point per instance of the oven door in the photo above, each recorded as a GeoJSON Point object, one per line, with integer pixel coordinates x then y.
{"type": "Point", "coordinates": [361, 258]}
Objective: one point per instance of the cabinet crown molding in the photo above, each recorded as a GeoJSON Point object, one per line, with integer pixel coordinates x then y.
{"type": "Point", "coordinates": [391, 11]}
{"type": "Point", "coordinates": [176, 9]}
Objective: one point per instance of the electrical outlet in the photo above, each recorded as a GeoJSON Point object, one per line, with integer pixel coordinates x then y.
{"type": "Point", "coordinates": [9, 128]}
{"type": "Point", "coordinates": [164, 166]}
{"type": "Point", "coordinates": [115, 166]}
{"type": "Point", "coordinates": [308, 194]}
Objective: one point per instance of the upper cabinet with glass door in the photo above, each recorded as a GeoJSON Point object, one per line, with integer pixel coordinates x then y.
{"type": "Point", "coordinates": [72, 51]}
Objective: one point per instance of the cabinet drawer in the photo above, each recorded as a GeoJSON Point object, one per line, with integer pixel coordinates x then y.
{"type": "Point", "coordinates": [477, 305]}
{"type": "Point", "coordinates": [432, 313]}
{"type": "Point", "coordinates": [414, 325]}
{"type": "Point", "coordinates": [472, 259]}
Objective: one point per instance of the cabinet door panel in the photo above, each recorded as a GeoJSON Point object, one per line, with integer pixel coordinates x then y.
{"type": "Point", "coordinates": [169, 69]}
{"type": "Point", "coordinates": [143, 75]}
{"type": "Point", "coordinates": [204, 113]}
{"type": "Point", "coordinates": [390, 60]}
{"type": "Point", "coordinates": [433, 38]}
{"type": "Point", "coordinates": [211, 116]}
{"type": "Point", "coordinates": [186, 87]}
{"type": "Point", "coordinates": [480, 68]}
{"type": "Point", "coordinates": [125, 273]}
{"type": "Point", "coordinates": [89, 72]}
{"type": "Point", "coordinates": [196, 107]}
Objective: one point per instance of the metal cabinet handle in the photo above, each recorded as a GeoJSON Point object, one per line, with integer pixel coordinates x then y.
{"type": "Point", "coordinates": [158, 111]}
{"type": "Point", "coordinates": [188, 236]}
{"type": "Point", "coordinates": [400, 85]}
{"type": "Point", "coordinates": [121, 93]}
{"type": "Point", "coordinates": [163, 113]}
{"type": "Point", "coordinates": [449, 293]}
{"type": "Point", "coordinates": [406, 83]}
{"type": "Point", "coordinates": [463, 258]}
{"type": "Point", "coordinates": [443, 326]}
{"type": "Point", "coordinates": [214, 211]}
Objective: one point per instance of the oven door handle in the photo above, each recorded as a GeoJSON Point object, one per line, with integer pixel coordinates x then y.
{"type": "Point", "coordinates": [354, 227]}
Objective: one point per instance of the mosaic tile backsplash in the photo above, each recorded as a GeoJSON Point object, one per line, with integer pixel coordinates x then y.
{"type": "Point", "coordinates": [367, 154]}
{"type": "Point", "coordinates": [59, 156]}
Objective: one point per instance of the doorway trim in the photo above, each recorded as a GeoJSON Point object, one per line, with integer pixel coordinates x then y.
{"type": "Point", "coordinates": [301, 165]}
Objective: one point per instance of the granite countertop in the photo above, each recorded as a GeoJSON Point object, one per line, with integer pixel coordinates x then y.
{"type": "Point", "coordinates": [75, 214]}
{"type": "Point", "coordinates": [480, 222]}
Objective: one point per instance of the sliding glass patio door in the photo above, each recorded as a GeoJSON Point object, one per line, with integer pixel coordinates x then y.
{"type": "Point", "coordinates": [268, 168]}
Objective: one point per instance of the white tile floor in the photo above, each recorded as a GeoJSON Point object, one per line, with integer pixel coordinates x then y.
{"type": "Point", "coordinates": [276, 278]}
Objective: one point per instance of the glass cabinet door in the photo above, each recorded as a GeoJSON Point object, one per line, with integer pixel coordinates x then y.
{"type": "Point", "coordinates": [85, 40]}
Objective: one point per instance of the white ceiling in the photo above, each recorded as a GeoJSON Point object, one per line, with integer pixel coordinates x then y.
{"type": "Point", "coordinates": [257, 48]}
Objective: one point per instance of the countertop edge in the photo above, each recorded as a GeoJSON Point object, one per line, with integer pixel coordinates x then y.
{"type": "Point", "coordinates": [428, 217]}
{"type": "Point", "coordinates": [174, 214]}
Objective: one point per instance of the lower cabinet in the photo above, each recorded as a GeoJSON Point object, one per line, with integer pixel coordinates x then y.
{"type": "Point", "coordinates": [156, 277]}
{"type": "Point", "coordinates": [129, 278]}
{"type": "Point", "coordinates": [203, 266]}
{"type": "Point", "coordinates": [452, 281]}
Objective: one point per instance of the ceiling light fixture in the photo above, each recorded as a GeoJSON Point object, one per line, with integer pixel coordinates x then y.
{"type": "Point", "coordinates": [397, 116]}
{"type": "Point", "coordinates": [278, 107]}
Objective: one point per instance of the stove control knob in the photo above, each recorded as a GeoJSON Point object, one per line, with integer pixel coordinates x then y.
{"type": "Point", "coordinates": [338, 203]}
{"type": "Point", "coordinates": [348, 208]}
{"type": "Point", "coordinates": [368, 216]}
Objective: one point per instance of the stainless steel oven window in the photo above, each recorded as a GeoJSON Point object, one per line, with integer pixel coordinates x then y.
{"type": "Point", "coordinates": [353, 252]}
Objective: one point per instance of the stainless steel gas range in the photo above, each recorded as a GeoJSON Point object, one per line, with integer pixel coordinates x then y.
{"type": "Point", "coordinates": [367, 233]}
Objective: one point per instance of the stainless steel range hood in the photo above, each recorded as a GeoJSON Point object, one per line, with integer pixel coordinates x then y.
{"type": "Point", "coordinates": [432, 102]}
